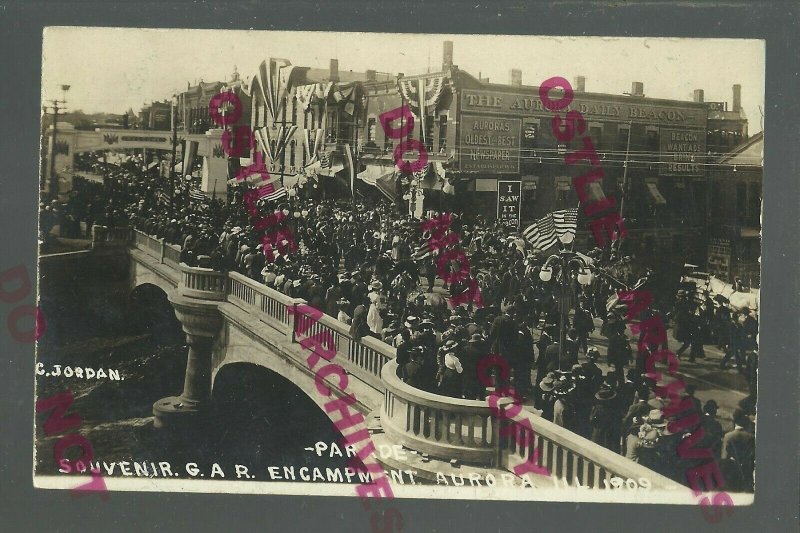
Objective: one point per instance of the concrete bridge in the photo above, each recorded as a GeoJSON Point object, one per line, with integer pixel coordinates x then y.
{"type": "Point", "coordinates": [229, 319]}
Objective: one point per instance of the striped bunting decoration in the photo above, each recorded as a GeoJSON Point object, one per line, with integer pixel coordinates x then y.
{"type": "Point", "coordinates": [542, 233]}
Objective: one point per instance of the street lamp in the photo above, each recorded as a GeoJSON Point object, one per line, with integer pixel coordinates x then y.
{"type": "Point", "coordinates": [567, 262]}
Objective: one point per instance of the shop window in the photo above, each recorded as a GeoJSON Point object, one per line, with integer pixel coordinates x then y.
{"type": "Point", "coordinates": [371, 130]}
{"type": "Point", "coordinates": [596, 133]}
{"type": "Point", "coordinates": [622, 136]}
{"type": "Point", "coordinates": [716, 199]}
{"type": "Point", "coordinates": [651, 137]}
{"type": "Point", "coordinates": [294, 110]}
{"type": "Point", "coordinates": [442, 133]}
{"type": "Point", "coordinates": [754, 200]}
{"type": "Point", "coordinates": [563, 194]}
{"type": "Point", "coordinates": [429, 124]}
{"type": "Point", "coordinates": [741, 199]}
{"type": "Point", "coordinates": [332, 126]}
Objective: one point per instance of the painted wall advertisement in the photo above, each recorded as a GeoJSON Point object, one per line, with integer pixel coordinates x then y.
{"type": "Point", "coordinates": [681, 152]}
{"type": "Point", "coordinates": [509, 195]}
{"type": "Point", "coordinates": [490, 144]}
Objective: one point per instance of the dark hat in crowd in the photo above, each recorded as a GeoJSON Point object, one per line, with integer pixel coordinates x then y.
{"type": "Point", "coordinates": [592, 353]}
{"type": "Point", "coordinates": [710, 408]}
{"type": "Point", "coordinates": [456, 320]}
{"type": "Point", "coordinates": [412, 322]}
{"type": "Point", "coordinates": [426, 324]}
{"type": "Point", "coordinates": [563, 387]}
{"type": "Point", "coordinates": [605, 394]}
{"type": "Point", "coordinates": [547, 384]}
{"type": "Point", "coordinates": [449, 345]}
{"type": "Point", "coordinates": [476, 338]}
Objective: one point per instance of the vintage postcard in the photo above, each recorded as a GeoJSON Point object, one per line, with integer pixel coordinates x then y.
{"type": "Point", "coordinates": [399, 265]}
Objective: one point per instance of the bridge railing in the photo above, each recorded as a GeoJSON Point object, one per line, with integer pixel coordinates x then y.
{"type": "Point", "coordinates": [105, 236]}
{"type": "Point", "coordinates": [363, 358]}
{"type": "Point", "coordinates": [172, 255]}
{"type": "Point", "coordinates": [468, 430]}
{"type": "Point", "coordinates": [568, 456]}
{"type": "Point", "coordinates": [271, 306]}
{"type": "Point", "coordinates": [202, 283]}
{"type": "Point", "coordinates": [148, 244]}
{"type": "Point", "coordinates": [441, 426]}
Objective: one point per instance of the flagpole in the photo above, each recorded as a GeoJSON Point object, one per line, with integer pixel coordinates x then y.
{"type": "Point", "coordinates": [625, 170]}
{"type": "Point", "coordinates": [357, 153]}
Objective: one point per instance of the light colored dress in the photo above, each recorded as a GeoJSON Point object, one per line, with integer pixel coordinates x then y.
{"type": "Point", "coordinates": [374, 319]}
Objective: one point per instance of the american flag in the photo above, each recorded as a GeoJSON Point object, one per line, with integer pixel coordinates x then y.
{"type": "Point", "coordinates": [280, 193]}
{"type": "Point", "coordinates": [196, 194]}
{"type": "Point", "coordinates": [566, 221]}
{"type": "Point", "coordinates": [422, 252]}
{"type": "Point", "coordinates": [542, 233]}
{"type": "Point", "coordinates": [545, 232]}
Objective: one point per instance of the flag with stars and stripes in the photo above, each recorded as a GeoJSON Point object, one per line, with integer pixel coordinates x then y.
{"type": "Point", "coordinates": [196, 194]}
{"type": "Point", "coordinates": [279, 193]}
{"type": "Point", "coordinates": [565, 221]}
{"type": "Point", "coordinates": [422, 252]}
{"type": "Point", "coordinates": [542, 233]}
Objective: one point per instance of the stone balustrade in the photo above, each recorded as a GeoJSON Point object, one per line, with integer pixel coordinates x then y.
{"type": "Point", "coordinates": [441, 426]}
{"type": "Point", "coordinates": [568, 457]}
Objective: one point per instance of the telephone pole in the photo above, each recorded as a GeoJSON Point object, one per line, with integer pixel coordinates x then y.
{"type": "Point", "coordinates": [172, 160]}
{"type": "Point", "coordinates": [53, 177]}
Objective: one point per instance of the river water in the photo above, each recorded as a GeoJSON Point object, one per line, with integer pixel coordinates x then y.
{"type": "Point", "coordinates": [258, 419]}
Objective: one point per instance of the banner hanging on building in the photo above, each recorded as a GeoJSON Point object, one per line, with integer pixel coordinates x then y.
{"type": "Point", "coordinates": [509, 195]}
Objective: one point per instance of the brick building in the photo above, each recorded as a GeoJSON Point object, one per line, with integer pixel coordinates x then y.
{"type": "Point", "coordinates": [734, 213]}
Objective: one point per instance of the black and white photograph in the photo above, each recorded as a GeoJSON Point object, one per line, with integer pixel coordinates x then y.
{"type": "Point", "coordinates": [480, 267]}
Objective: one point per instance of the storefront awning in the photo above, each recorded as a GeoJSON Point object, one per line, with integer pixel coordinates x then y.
{"type": "Point", "coordinates": [380, 176]}
{"type": "Point", "coordinates": [656, 195]}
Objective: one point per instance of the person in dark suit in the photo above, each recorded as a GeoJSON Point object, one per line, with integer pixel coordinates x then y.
{"type": "Point", "coordinates": [738, 455]}
{"type": "Point", "coordinates": [475, 350]}
{"type": "Point", "coordinates": [619, 353]}
{"type": "Point", "coordinates": [569, 355]}
{"type": "Point", "coordinates": [503, 335]}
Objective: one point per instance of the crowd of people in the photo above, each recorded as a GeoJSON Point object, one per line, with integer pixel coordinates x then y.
{"type": "Point", "coordinates": [367, 265]}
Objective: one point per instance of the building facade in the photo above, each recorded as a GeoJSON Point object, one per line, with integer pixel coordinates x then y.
{"type": "Point", "coordinates": [734, 214]}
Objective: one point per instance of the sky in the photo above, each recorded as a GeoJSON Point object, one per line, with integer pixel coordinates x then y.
{"type": "Point", "coordinates": [113, 69]}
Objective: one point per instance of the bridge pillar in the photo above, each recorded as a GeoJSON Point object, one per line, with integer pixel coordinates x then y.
{"type": "Point", "coordinates": [202, 323]}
